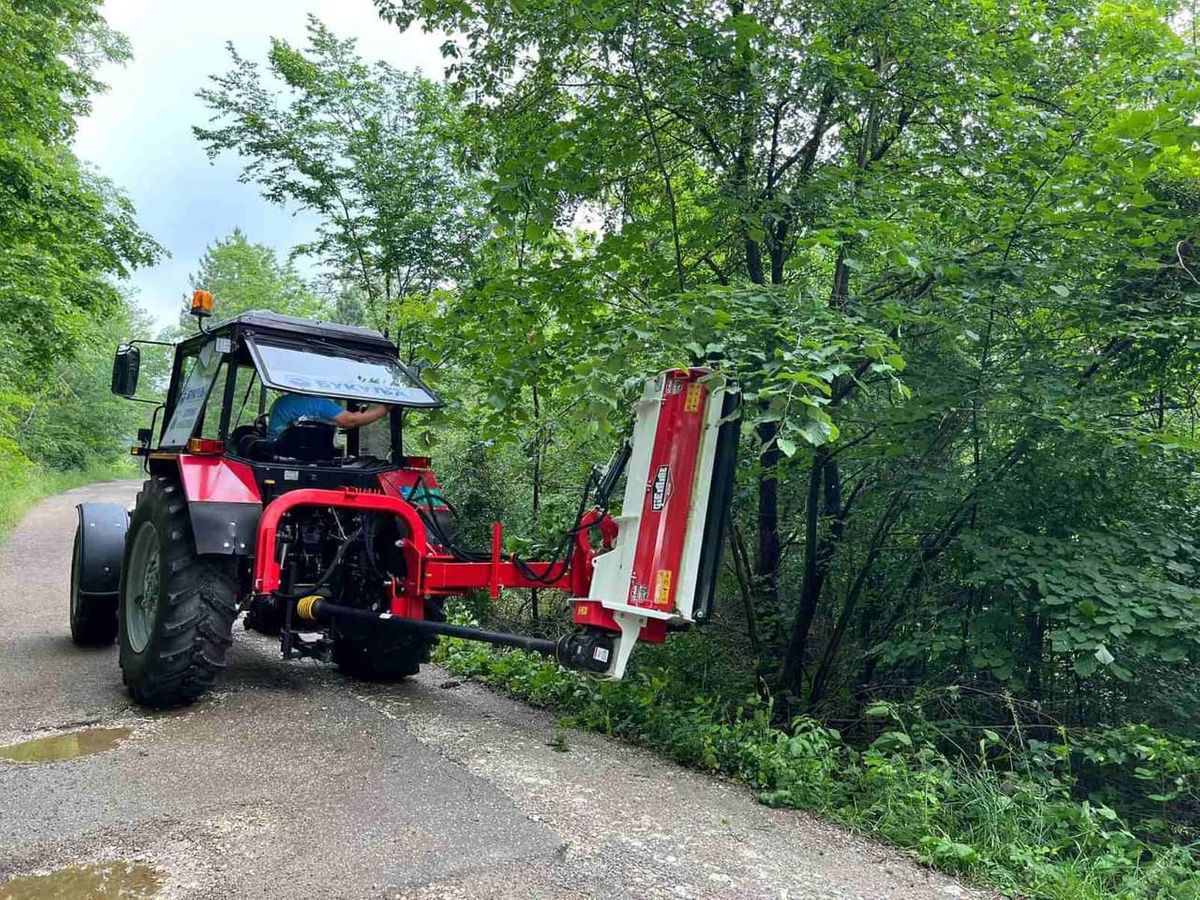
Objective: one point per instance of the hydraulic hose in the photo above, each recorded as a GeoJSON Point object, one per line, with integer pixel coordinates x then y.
{"type": "Point", "coordinates": [329, 571]}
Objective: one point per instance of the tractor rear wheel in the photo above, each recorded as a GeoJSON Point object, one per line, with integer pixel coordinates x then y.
{"type": "Point", "coordinates": [365, 651]}
{"type": "Point", "coordinates": [175, 609]}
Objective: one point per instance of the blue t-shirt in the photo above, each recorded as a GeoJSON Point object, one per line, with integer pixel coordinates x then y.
{"type": "Point", "coordinates": [290, 407]}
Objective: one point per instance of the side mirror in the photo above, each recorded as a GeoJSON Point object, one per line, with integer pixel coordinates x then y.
{"type": "Point", "coordinates": [126, 366]}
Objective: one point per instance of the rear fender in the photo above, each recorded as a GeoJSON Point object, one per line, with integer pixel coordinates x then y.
{"type": "Point", "coordinates": [224, 504]}
{"type": "Point", "coordinates": [102, 528]}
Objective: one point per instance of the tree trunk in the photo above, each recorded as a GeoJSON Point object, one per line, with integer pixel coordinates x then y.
{"type": "Point", "coordinates": [769, 550]}
{"type": "Point", "coordinates": [792, 670]}
{"type": "Point", "coordinates": [1035, 639]}
{"type": "Point", "coordinates": [754, 262]}
{"type": "Point", "coordinates": [745, 580]}
{"type": "Point", "coordinates": [536, 499]}
{"type": "Point", "coordinates": [820, 681]}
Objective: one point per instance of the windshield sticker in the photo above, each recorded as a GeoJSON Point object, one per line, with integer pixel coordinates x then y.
{"type": "Point", "coordinates": [354, 388]}
{"type": "Point", "coordinates": [192, 397]}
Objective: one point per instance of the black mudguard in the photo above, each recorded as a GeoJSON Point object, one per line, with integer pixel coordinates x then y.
{"type": "Point", "coordinates": [102, 528]}
{"type": "Point", "coordinates": [226, 529]}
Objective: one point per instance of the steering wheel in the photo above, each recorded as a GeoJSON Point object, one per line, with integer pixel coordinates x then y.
{"type": "Point", "coordinates": [261, 423]}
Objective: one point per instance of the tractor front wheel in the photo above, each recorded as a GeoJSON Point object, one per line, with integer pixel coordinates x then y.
{"type": "Point", "coordinates": [175, 609]}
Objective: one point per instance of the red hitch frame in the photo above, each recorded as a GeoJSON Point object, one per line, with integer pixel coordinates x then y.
{"type": "Point", "coordinates": [428, 572]}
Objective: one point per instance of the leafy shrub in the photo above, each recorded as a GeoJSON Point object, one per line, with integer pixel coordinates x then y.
{"type": "Point", "coordinates": [23, 484]}
{"type": "Point", "coordinates": [1019, 827]}
{"type": "Point", "coordinates": [1147, 774]}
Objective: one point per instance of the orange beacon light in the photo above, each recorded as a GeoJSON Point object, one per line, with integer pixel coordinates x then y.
{"type": "Point", "coordinates": [202, 304]}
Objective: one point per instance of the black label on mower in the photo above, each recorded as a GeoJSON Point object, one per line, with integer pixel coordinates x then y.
{"type": "Point", "coordinates": [661, 487]}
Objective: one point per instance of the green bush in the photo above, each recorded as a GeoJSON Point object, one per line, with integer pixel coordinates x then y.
{"type": "Point", "coordinates": [1152, 776]}
{"type": "Point", "coordinates": [1020, 827]}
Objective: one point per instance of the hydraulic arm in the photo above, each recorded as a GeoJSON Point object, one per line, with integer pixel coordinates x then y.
{"type": "Point", "coordinates": [655, 566]}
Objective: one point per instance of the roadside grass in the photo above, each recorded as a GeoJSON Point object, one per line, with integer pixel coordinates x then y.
{"type": "Point", "coordinates": [21, 486]}
{"type": "Point", "coordinates": [1020, 828]}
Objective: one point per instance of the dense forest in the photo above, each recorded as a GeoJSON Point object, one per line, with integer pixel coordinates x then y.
{"type": "Point", "coordinates": [947, 250]}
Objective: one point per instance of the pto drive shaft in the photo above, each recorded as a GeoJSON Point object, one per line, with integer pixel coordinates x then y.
{"type": "Point", "coordinates": [589, 651]}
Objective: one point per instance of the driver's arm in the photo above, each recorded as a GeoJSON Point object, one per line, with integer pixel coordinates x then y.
{"type": "Point", "coordinates": [347, 419]}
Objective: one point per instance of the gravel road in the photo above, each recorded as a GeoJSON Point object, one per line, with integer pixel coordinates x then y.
{"type": "Point", "coordinates": [290, 781]}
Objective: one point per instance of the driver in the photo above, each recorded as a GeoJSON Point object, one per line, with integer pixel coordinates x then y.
{"type": "Point", "coordinates": [292, 407]}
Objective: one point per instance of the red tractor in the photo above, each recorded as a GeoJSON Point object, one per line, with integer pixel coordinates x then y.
{"type": "Point", "coordinates": [343, 545]}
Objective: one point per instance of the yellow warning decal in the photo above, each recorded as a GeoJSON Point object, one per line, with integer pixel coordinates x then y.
{"type": "Point", "coordinates": [662, 588]}
{"type": "Point", "coordinates": [691, 403]}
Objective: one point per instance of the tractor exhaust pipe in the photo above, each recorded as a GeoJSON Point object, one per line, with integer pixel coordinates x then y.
{"type": "Point", "coordinates": [588, 651]}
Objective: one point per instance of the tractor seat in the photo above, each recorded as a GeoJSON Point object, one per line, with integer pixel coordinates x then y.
{"type": "Point", "coordinates": [306, 440]}
{"type": "Point", "coordinates": [249, 442]}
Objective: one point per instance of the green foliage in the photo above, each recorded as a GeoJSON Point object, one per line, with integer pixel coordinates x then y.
{"type": "Point", "coordinates": [1096, 591]}
{"type": "Point", "coordinates": [1154, 777]}
{"type": "Point", "coordinates": [65, 418]}
{"type": "Point", "coordinates": [360, 146]}
{"type": "Point", "coordinates": [242, 276]}
{"type": "Point", "coordinates": [953, 272]}
{"type": "Point", "coordinates": [64, 230]}
{"type": "Point", "coordinates": [65, 236]}
{"type": "Point", "coordinates": [22, 485]}
{"type": "Point", "coordinates": [1021, 826]}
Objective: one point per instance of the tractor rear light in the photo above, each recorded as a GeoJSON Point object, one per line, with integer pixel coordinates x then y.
{"type": "Point", "coordinates": [205, 447]}
{"type": "Point", "coordinates": [417, 462]}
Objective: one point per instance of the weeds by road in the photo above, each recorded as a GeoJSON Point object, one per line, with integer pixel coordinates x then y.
{"type": "Point", "coordinates": [1008, 816]}
{"type": "Point", "coordinates": [24, 486]}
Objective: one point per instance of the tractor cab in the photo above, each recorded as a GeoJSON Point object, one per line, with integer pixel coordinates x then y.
{"type": "Point", "coordinates": [225, 380]}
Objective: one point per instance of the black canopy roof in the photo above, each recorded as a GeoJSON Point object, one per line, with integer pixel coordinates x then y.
{"type": "Point", "coordinates": [264, 321]}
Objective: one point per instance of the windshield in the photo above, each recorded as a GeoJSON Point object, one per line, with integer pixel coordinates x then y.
{"type": "Point", "coordinates": [331, 371]}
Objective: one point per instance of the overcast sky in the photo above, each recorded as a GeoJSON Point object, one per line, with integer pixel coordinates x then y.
{"type": "Point", "coordinates": [139, 133]}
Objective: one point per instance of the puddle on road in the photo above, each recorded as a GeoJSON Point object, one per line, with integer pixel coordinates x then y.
{"type": "Point", "coordinates": [65, 746]}
{"type": "Point", "coordinates": [117, 880]}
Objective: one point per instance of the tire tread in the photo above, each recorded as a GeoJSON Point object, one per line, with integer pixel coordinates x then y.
{"type": "Point", "coordinates": [198, 604]}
